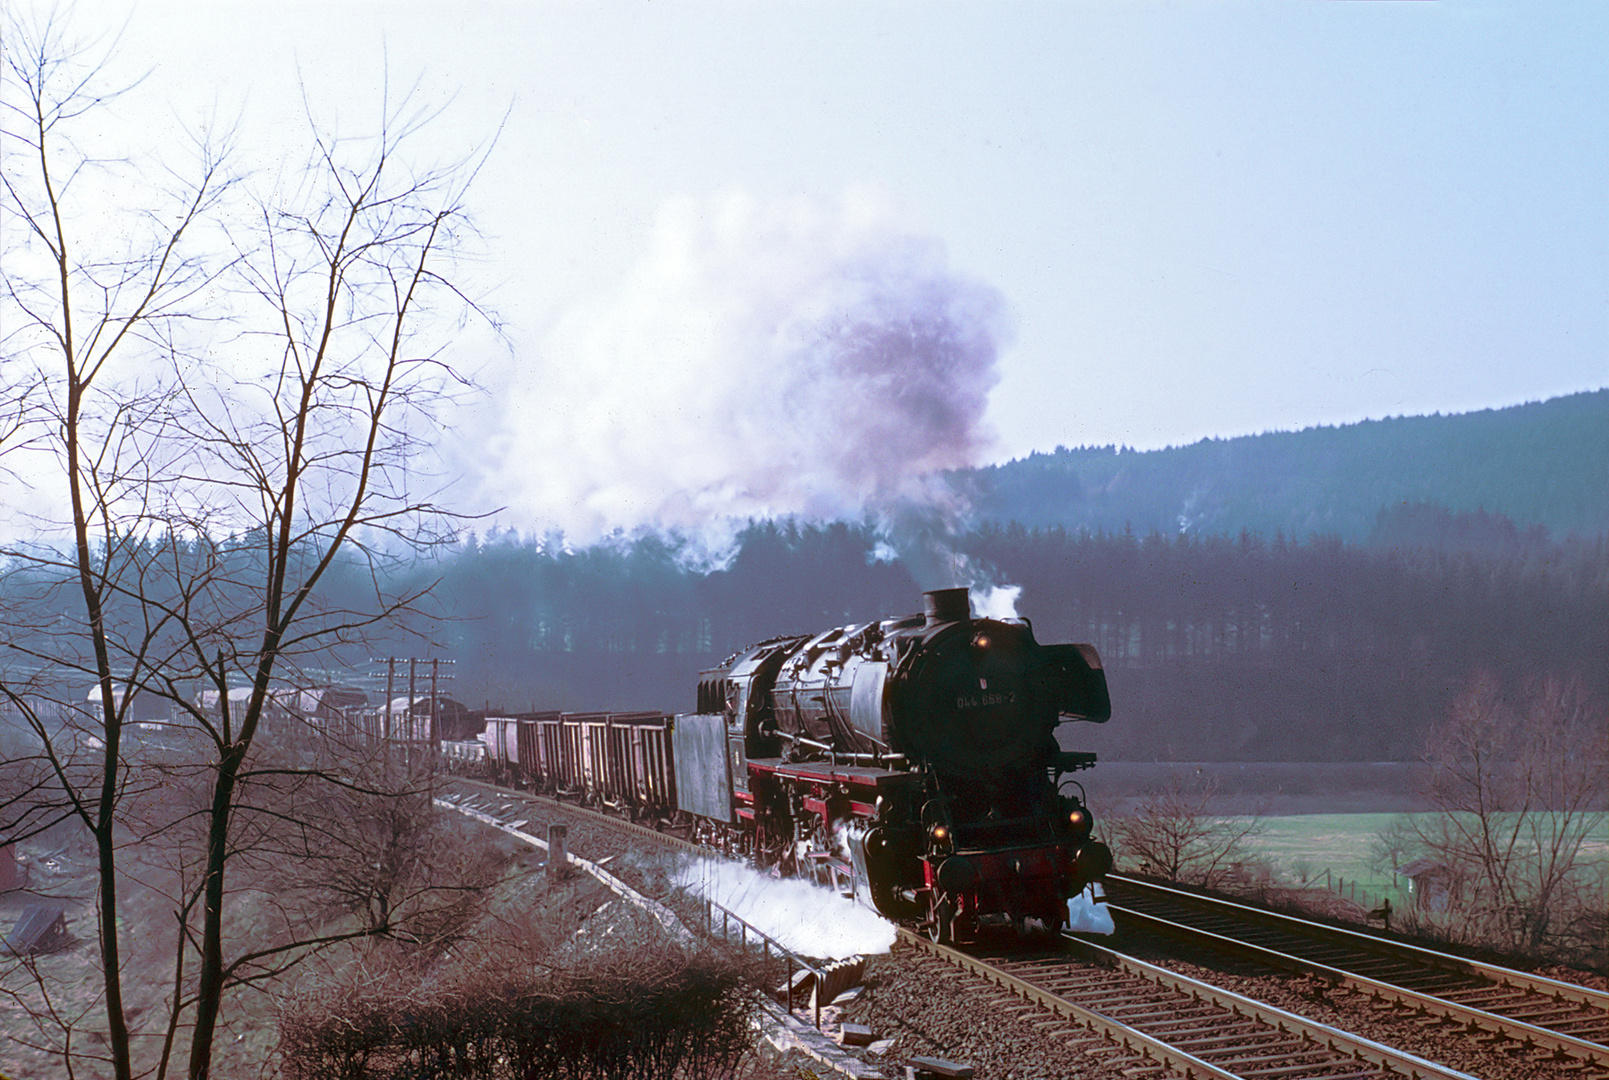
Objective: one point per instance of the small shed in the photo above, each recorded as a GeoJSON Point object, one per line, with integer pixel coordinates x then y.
{"type": "Point", "coordinates": [41, 929]}
{"type": "Point", "coordinates": [1430, 883]}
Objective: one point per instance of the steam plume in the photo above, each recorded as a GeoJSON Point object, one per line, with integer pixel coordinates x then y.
{"type": "Point", "coordinates": [924, 533]}
{"type": "Point", "coordinates": [763, 360]}
{"type": "Point", "coordinates": [811, 921]}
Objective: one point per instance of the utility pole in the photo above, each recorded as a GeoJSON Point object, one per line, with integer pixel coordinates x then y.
{"type": "Point", "coordinates": [405, 728]}
{"type": "Point", "coordinates": [435, 672]}
{"type": "Point", "coordinates": [413, 695]}
{"type": "Point", "coordinates": [390, 678]}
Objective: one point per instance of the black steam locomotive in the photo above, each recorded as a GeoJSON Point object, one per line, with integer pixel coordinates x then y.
{"type": "Point", "coordinates": [917, 755]}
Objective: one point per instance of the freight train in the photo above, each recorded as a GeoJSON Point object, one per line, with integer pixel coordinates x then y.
{"type": "Point", "coordinates": [910, 760]}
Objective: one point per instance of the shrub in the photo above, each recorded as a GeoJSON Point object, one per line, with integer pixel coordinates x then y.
{"type": "Point", "coordinates": [619, 1001]}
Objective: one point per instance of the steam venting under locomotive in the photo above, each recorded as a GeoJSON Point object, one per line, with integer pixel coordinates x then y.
{"type": "Point", "coordinates": [918, 754]}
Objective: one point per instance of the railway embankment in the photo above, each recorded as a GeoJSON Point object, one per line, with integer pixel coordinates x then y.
{"type": "Point", "coordinates": [913, 1004]}
{"type": "Point", "coordinates": [621, 872]}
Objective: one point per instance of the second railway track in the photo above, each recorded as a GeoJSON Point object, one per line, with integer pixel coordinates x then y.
{"type": "Point", "coordinates": [1568, 1021]}
{"type": "Point", "coordinates": [1185, 1025]}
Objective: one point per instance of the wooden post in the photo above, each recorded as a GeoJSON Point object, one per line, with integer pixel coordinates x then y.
{"type": "Point", "coordinates": [413, 696]}
{"type": "Point", "coordinates": [558, 851]}
{"type": "Point", "coordinates": [435, 670]}
{"type": "Point", "coordinates": [390, 682]}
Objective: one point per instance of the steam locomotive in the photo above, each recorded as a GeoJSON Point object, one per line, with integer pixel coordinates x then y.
{"type": "Point", "coordinates": [924, 750]}
{"type": "Point", "coordinates": [911, 760]}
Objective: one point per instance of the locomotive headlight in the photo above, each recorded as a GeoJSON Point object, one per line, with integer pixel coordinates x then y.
{"type": "Point", "coordinates": [939, 834]}
{"type": "Point", "coordinates": [1080, 822]}
{"type": "Point", "coordinates": [981, 641]}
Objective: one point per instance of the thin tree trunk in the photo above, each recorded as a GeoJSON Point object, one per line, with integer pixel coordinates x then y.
{"type": "Point", "coordinates": [209, 991]}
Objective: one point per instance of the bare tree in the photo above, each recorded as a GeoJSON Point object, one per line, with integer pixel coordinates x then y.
{"type": "Point", "coordinates": [1519, 787]}
{"type": "Point", "coordinates": [232, 385]}
{"type": "Point", "coordinates": [1393, 846]}
{"type": "Point", "coordinates": [1176, 833]}
{"type": "Point", "coordinates": [392, 862]}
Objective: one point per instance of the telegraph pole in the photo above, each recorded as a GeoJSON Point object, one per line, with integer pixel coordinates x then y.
{"type": "Point", "coordinates": [413, 695]}
{"type": "Point", "coordinates": [390, 678]}
{"type": "Point", "coordinates": [435, 673]}
{"type": "Point", "coordinates": [404, 728]}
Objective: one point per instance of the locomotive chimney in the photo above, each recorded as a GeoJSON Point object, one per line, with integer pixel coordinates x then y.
{"type": "Point", "coordinates": [947, 605]}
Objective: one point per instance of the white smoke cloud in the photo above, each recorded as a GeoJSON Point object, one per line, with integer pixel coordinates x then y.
{"type": "Point", "coordinates": [1087, 913]}
{"type": "Point", "coordinates": [995, 601]}
{"type": "Point", "coordinates": [764, 359]}
{"type": "Point", "coordinates": [810, 920]}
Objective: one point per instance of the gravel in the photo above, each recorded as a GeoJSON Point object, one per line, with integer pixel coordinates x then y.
{"type": "Point", "coordinates": [930, 1008]}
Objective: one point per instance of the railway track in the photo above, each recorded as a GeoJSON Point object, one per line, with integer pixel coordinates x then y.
{"type": "Point", "coordinates": [1170, 1022]}
{"type": "Point", "coordinates": [512, 797]}
{"type": "Point", "coordinates": [1568, 1022]}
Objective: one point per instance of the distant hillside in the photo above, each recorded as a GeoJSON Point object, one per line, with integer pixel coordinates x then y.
{"type": "Point", "coordinates": [1544, 464]}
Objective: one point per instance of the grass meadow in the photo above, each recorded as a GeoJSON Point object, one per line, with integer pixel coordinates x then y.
{"type": "Point", "coordinates": [1334, 851]}
{"type": "Point", "coordinates": [1321, 821]}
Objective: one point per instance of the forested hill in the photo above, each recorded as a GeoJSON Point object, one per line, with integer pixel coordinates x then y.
{"type": "Point", "coordinates": [1215, 648]}
{"type": "Point", "coordinates": [1543, 464]}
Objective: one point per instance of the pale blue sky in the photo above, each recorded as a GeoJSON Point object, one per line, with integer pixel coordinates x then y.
{"type": "Point", "coordinates": [1204, 219]}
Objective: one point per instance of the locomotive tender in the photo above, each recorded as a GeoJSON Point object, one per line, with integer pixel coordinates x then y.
{"type": "Point", "coordinates": [915, 757]}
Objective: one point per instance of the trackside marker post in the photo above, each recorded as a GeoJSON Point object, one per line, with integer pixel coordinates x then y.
{"type": "Point", "coordinates": [558, 851]}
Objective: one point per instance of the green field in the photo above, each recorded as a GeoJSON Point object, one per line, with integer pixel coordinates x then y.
{"type": "Point", "coordinates": [1332, 849]}
{"type": "Point", "coordinates": [1309, 845]}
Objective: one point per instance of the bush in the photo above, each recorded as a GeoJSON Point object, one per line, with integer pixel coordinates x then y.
{"type": "Point", "coordinates": [1173, 833]}
{"type": "Point", "coordinates": [617, 1002]}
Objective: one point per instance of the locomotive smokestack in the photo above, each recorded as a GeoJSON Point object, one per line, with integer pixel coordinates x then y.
{"type": "Point", "coordinates": [947, 605]}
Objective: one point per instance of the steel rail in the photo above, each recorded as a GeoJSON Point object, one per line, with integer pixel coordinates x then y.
{"type": "Point", "coordinates": [1474, 1019]}
{"type": "Point", "coordinates": [1503, 976]}
{"type": "Point", "coordinates": [1129, 1038]}
{"type": "Point", "coordinates": [1158, 1050]}
{"type": "Point", "coordinates": [1343, 1042]}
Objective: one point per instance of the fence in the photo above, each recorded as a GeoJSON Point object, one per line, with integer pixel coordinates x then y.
{"type": "Point", "coordinates": [825, 983]}
{"type": "Point", "coordinates": [1368, 899]}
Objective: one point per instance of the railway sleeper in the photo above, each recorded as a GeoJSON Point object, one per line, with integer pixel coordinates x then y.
{"type": "Point", "coordinates": [1231, 1037]}
{"type": "Point", "coordinates": [1187, 1015]}
{"type": "Point", "coordinates": [1204, 1033]}
{"type": "Point", "coordinates": [1557, 1016]}
{"type": "Point", "coordinates": [1141, 1014]}
{"type": "Point", "coordinates": [1064, 986]}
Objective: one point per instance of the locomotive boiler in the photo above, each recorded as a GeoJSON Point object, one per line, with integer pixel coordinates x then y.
{"type": "Point", "coordinates": [917, 756]}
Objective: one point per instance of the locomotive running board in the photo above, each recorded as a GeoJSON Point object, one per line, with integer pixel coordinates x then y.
{"type": "Point", "coordinates": [826, 771]}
